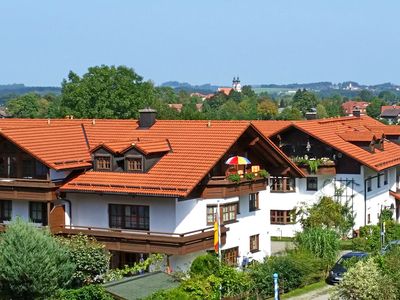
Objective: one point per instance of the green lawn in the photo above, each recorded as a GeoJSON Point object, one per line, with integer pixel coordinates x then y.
{"type": "Point", "coordinates": [304, 290]}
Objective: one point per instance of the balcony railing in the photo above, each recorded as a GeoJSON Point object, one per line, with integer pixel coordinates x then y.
{"type": "Point", "coordinates": [147, 241]}
{"type": "Point", "coordinates": [317, 166]}
{"type": "Point", "coordinates": [222, 187]}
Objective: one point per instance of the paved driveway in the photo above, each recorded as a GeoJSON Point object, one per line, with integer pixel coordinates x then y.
{"type": "Point", "coordinates": [320, 294]}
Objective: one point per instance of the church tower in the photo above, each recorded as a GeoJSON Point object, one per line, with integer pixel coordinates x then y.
{"type": "Point", "coordinates": [236, 86]}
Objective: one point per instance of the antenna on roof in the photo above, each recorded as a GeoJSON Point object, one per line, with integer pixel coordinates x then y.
{"type": "Point", "coordinates": [94, 122]}
{"type": "Point", "coordinates": [209, 124]}
{"type": "Point", "coordinates": [48, 121]}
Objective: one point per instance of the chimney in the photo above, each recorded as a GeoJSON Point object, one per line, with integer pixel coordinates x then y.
{"type": "Point", "coordinates": [356, 113]}
{"type": "Point", "coordinates": [147, 117]}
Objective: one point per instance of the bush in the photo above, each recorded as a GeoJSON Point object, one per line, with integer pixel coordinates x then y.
{"type": "Point", "coordinates": [32, 264]}
{"type": "Point", "coordinates": [90, 292]}
{"type": "Point", "coordinates": [323, 243]}
{"type": "Point", "coordinates": [90, 257]}
{"type": "Point", "coordinates": [291, 274]}
{"type": "Point", "coordinates": [363, 282]}
{"type": "Point", "coordinates": [389, 264]}
{"type": "Point", "coordinates": [205, 265]}
{"type": "Point", "coordinates": [369, 239]}
{"type": "Point", "coordinates": [171, 294]}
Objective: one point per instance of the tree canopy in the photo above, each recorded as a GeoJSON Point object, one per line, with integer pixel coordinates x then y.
{"type": "Point", "coordinates": [106, 92]}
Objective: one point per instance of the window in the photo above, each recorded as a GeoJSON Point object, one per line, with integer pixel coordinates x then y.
{"type": "Point", "coordinates": [281, 217]}
{"type": "Point", "coordinates": [38, 212]}
{"type": "Point", "coordinates": [312, 184]}
{"type": "Point", "coordinates": [28, 168]}
{"type": "Point", "coordinates": [369, 219]}
{"type": "Point", "coordinates": [282, 184]}
{"type": "Point", "coordinates": [230, 256]}
{"type": "Point", "coordinates": [211, 214]}
{"type": "Point", "coordinates": [254, 243]}
{"type": "Point", "coordinates": [134, 164]}
{"type": "Point", "coordinates": [129, 216]}
{"type": "Point", "coordinates": [103, 163]}
{"type": "Point", "coordinates": [228, 212]}
{"type": "Point", "coordinates": [378, 183]}
{"type": "Point", "coordinates": [369, 184]}
{"type": "Point", "coordinates": [5, 210]}
{"type": "Point", "coordinates": [385, 177]}
{"type": "Point", "coordinates": [41, 170]}
{"type": "Point", "coordinates": [253, 201]}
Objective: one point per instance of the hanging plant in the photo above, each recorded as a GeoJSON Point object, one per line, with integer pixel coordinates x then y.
{"type": "Point", "coordinates": [313, 165]}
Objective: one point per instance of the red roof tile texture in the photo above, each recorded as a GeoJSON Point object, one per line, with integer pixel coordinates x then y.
{"type": "Point", "coordinates": [196, 147]}
{"type": "Point", "coordinates": [329, 131]}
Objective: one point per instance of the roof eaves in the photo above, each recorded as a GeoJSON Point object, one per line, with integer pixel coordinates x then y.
{"type": "Point", "coordinates": [276, 148]}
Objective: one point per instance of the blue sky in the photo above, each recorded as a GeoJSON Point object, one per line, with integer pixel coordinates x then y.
{"type": "Point", "coordinates": [207, 41]}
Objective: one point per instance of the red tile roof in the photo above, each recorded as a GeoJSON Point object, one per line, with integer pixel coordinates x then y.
{"type": "Point", "coordinates": [225, 90]}
{"type": "Point", "coordinates": [197, 146]}
{"type": "Point", "coordinates": [329, 131]}
{"type": "Point", "coordinates": [386, 107]}
{"type": "Point", "coordinates": [58, 147]}
{"type": "Point", "coordinates": [349, 106]}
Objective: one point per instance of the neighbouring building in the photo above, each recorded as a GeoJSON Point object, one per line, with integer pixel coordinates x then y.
{"type": "Point", "coordinates": [153, 186]}
{"type": "Point", "coordinates": [353, 159]}
{"type": "Point", "coordinates": [359, 107]}
{"type": "Point", "coordinates": [390, 113]}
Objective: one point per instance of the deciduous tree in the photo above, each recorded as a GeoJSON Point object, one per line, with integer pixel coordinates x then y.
{"type": "Point", "coordinates": [106, 92]}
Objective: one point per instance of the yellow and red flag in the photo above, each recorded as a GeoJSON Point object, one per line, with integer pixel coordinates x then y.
{"type": "Point", "coordinates": [216, 236]}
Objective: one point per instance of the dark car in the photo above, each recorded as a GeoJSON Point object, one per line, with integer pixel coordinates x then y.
{"type": "Point", "coordinates": [336, 273]}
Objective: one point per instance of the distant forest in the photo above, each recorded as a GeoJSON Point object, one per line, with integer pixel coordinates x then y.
{"type": "Point", "coordinates": [10, 91]}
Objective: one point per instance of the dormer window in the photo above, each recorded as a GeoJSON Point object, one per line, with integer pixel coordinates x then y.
{"type": "Point", "coordinates": [103, 163]}
{"type": "Point", "coordinates": [134, 164]}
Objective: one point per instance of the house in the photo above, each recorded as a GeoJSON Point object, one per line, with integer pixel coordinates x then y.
{"type": "Point", "coordinates": [353, 159]}
{"type": "Point", "coordinates": [390, 113]}
{"type": "Point", "coordinates": [147, 186]}
{"type": "Point", "coordinates": [359, 106]}
{"type": "Point", "coordinates": [154, 186]}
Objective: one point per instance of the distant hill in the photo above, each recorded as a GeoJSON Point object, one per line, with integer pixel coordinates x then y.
{"type": "Point", "coordinates": [184, 86]}
{"type": "Point", "coordinates": [9, 91]}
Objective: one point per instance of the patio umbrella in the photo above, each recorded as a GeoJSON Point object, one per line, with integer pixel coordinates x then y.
{"type": "Point", "coordinates": [237, 160]}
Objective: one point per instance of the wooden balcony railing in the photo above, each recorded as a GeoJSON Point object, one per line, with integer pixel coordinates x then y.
{"type": "Point", "coordinates": [221, 187]}
{"type": "Point", "coordinates": [27, 189]}
{"type": "Point", "coordinates": [147, 241]}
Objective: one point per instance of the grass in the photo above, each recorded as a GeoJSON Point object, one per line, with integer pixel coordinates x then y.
{"type": "Point", "coordinates": [304, 290]}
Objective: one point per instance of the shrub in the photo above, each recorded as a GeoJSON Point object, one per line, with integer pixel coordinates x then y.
{"type": "Point", "coordinates": [89, 292]}
{"type": "Point", "coordinates": [32, 264]}
{"type": "Point", "coordinates": [205, 265]}
{"type": "Point", "coordinates": [389, 264]}
{"type": "Point", "coordinates": [289, 270]}
{"type": "Point", "coordinates": [233, 282]}
{"type": "Point", "coordinates": [90, 257]}
{"type": "Point", "coordinates": [171, 294]}
{"type": "Point", "coordinates": [363, 282]}
{"type": "Point", "coordinates": [154, 260]}
{"type": "Point", "coordinates": [327, 213]}
{"type": "Point", "coordinates": [323, 243]}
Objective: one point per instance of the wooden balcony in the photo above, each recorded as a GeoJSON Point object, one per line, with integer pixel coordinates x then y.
{"type": "Point", "coordinates": [322, 170]}
{"type": "Point", "coordinates": [148, 241]}
{"type": "Point", "coordinates": [27, 189]}
{"type": "Point", "coordinates": [221, 187]}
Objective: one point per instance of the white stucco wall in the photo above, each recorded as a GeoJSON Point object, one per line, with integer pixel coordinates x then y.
{"type": "Point", "coordinates": [92, 210]}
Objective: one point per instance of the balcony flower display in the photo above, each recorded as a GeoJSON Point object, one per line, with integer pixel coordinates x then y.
{"type": "Point", "coordinates": [312, 164]}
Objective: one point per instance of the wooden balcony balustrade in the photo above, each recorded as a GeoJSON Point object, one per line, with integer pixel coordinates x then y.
{"type": "Point", "coordinates": [221, 187]}
{"type": "Point", "coordinates": [27, 189]}
{"type": "Point", "coordinates": [147, 241]}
